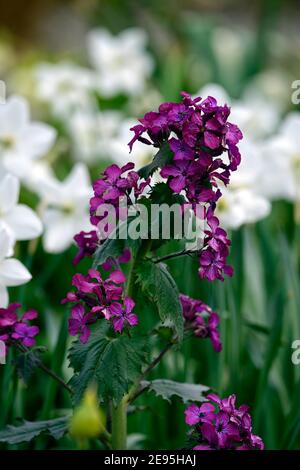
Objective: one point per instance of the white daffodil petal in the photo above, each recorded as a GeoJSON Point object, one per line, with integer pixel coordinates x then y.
{"type": "Point", "coordinates": [59, 232]}
{"type": "Point", "coordinates": [6, 243]}
{"type": "Point", "coordinates": [24, 223]}
{"type": "Point", "coordinates": [39, 138]}
{"type": "Point", "coordinates": [3, 297]}
{"type": "Point", "coordinates": [9, 193]}
{"type": "Point", "coordinates": [14, 116]}
{"type": "Point", "coordinates": [13, 273]}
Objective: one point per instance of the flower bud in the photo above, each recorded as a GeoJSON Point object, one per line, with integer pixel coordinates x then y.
{"type": "Point", "coordinates": [88, 420]}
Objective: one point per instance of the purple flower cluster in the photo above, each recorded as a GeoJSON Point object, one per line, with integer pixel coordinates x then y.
{"type": "Point", "coordinates": [13, 328]}
{"type": "Point", "coordinates": [203, 321]}
{"type": "Point", "coordinates": [113, 186]}
{"type": "Point", "coordinates": [213, 256]}
{"type": "Point", "coordinates": [219, 424]}
{"type": "Point", "coordinates": [198, 134]}
{"type": "Point", "coordinates": [88, 242]}
{"type": "Point", "coordinates": [95, 299]}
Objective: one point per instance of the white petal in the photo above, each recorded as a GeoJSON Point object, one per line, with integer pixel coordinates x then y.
{"type": "Point", "coordinates": [79, 178]}
{"type": "Point", "coordinates": [9, 193]}
{"type": "Point", "coordinates": [14, 116]}
{"type": "Point", "coordinates": [38, 139]}
{"type": "Point", "coordinates": [3, 297]}
{"type": "Point", "coordinates": [6, 243]}
{"type": "Point", "coordinates": [59, 231]}
{"type": "Point", "coordinates": [13, 273]}
{"type": "Point", "coordinates": [215, 90]}
{"type": "Point", "coordinates": [24, 223]}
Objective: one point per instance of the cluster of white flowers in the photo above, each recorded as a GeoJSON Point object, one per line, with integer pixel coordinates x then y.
{"type": "Point", "coordinates": [120, 65]}
{"type": "Point", "coordinates": [63, 208]}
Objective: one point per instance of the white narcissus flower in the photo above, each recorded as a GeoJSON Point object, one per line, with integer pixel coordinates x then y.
{"type": "Point", "coordinates": [92, 134]}
{"type": "Point", "coordinates": [122, 61]}
{"type": "Point", "coordinates": [241, 206]}
{"type": "Point", "coordinates": [22, 141]}
{"type": "Point", "coordinates": [282, 161]}
{"type": "Point", "coordinates": [12, 272]}
{"type": "Point", "coordinates": [256, 116]}
{"type": "Point", "coordinates": [20, 221]}
{"type": "Point", "coordinates": [65, 208]}
{"type": "Point", "coordinates": [242, 201]}
{"type": "Point", "coordinates": [66, 87]}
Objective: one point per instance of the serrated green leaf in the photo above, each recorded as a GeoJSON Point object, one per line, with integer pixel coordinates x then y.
{"type": "Point", "coordinates": [168, 388]}
{"type": "Point", "coordinates": [158, 284]}
{"type": "Point", "coordinates": [163, 156]}
{"type": "Point", "coordinates": [112, 363]}
{"type": "Point", "coordinates": [29, 430]}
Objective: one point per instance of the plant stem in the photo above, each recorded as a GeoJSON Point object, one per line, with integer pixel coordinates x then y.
{"type": "Point", "coordinates": [176, 255]}
{"type": "Point", "coordinates": [137, 390]}
{"type": "Point", "coordinates": [54, 376]}
{"type": "Point", "coordinates": [119, 425]}
{"type": "Point", "coordinates": [44, 368]}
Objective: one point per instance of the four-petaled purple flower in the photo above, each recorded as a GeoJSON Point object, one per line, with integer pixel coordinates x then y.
{"type": "Point", "coordinates": [199, 414]}
{"type": "Point", "coordinates": [13, 328]}
{"type": "Point", "coordinates": [123, 315]}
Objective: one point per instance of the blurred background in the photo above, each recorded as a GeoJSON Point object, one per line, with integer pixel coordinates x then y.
{"type": "Point", "coordinates": [88, 69]}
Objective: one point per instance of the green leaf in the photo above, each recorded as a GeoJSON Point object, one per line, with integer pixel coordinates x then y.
{"type": "Point", "coordinates": [113, 363]}
{"type": "Point", "coordinates": [29, 430]}
{"type": "Point", "coordinates": [167, 388]}
{"type": "Point", "coordinates": [158, 284]}
{"type": "Point", "coordinates": [163, 156]}
{"type": "Point", "coordinates": [113, 246]}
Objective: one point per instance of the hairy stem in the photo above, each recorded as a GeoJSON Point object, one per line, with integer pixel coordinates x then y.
{"type": "Point", "coordinates": [119, 425]}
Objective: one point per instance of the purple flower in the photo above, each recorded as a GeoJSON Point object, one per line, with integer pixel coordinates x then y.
{"type": "Point", "coordinates": [208, 329]}
{"type": "Point", "coordinates": [113, 185]}
{"type": "Point", "coordinates": [222, 432]}
{"type": "Point", "coordinates": [199, 414]}
{"type": "Point", "coordinates": [179, 173]}
{"type": "Point", "coordinates": [25, 334]}
{"type": "Point", "coordinates": [213, 264]}
{"type": "Point", "coordinates": [87, 243]}
{"type": "Point", "coordinates": [97, 299]}
{"type": "Point", "coordinates": [222, 426]}
{"type": "Point", "coordinates": [202, 320]}
{"type": "Point", "coordinates": [15, 328]}
{"type": "Point", "coordinates": [181, 150]}
{"type": "Point", "coordinates": [122, 316]}
{"type": "Point", "coordinates": [78, 322]}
